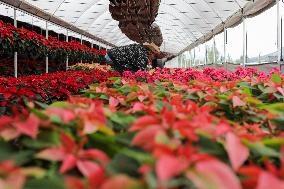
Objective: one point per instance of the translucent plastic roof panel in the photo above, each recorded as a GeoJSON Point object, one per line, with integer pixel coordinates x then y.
{"type": "Point", "coordinates": [182, 22]}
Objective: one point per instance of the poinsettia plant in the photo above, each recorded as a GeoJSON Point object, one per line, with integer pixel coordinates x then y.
{"type": "Point", "coordinates": [198, 130]}
{"type": "Point", "coordinates": [36, 46]}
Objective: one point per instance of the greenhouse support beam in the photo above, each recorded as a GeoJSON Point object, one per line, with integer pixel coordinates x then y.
{"type": "Point", "coordinates": [67, 58]}
{"type": "Point", "coordinates": [205, 55]}
{"type": "Point", "coordinates": [81, 44]}
{"type": "Point", "coordinates": [32, 10]}
{"type": "Point", "coordinates": [15, 53]}
{"type": "Point", "coordinates": [46, 58]}
{"type": "Point", "coordinates": [225, 47]}
{"type": "Point", "coordinates": [214, 50]}
{"type": "Point", "coordinates": [278, 32]}
{"type": "Point", "coordinates": [92, 46]}
{"type": "Point", "coordinates": [244, 43]}
{"type": "Point", "coordinates": [194, 57]}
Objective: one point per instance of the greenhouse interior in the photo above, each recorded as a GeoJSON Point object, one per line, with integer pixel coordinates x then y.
{"type": "Point", "coordinates": [141, 94]}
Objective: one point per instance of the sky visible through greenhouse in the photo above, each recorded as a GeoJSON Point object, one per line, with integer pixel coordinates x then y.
{"type": "Point", "coordinates": [262, 37]}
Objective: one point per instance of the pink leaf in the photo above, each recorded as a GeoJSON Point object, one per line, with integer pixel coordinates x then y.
{"type": "Point", "coordinates": [238, 153]}
{"type": "Point", "coordinates": [141, 98]}
{"type": "Point", "coordinates": [52, 154]}
{"type": "Point", "coordinates": [214, 174]}
{"type": "Point", "coordinates": [269, 181]}
{"type": "Point", "coordinates": [9, 133]}
{"type": "Point", "coordinates": [113, 102]}
{"type": "Point", "coordinates": [68, 163]}
{"type": "Point", "coordinates": [120, 182]}
{"type": "Point", "coordinates": [30, 126]}
{"type": "Point", "coordinates": [238, 102]}
{"type": "Point", "coordinates": [65, 115]}
{"type": "Point", "coordinates": [146, 138]}
{"type": "Point", "coordinates": [168, 167]}
{"type": "Point", "coordinates": [281, 90]}
{"type": "Point", "coordinates": [143, 122]}
{"type": "Point", "coordinates": [137, 106]}
{"type": "Point", "coordinates": [88, 168]}
{"type": "Point", "coordinates": [223, 89]}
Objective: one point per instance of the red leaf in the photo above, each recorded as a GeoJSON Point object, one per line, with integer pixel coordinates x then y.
{"type": "Point", "coordinates": [238, 102]}
{"type": "Point", "coordinates": [30, 126]}
{"type": "Point", "coordinates": [214, 174]}
{"type": "Point", "coordinates": [96, 178]}
{"type": "Point", "coordinates": [251, 174]}
{"type": "Point", "coordinates": [267, 181]}
{"type": "Point", "coordinates": [238, 153]}
{"type": "Point", "coordinates": [5, 120]}
{"type": "Point", "coordinates": [68, 163]}
{"type": "Point", "coordinates": [168, 167]}
{"type": "Point", "coordinates": [143, 122]}
{"type": "Point", "coordinates": [88, 168]}
{"type": "Point", "coordinates": [94, 154]}
{"type": "Point", "coordinates": [73, 183]}
{"type": "Point", "coordinates": [68, 143]}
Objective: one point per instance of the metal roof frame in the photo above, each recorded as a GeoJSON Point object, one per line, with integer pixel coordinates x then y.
{"type": "Point", "coordinates": [24, 6]}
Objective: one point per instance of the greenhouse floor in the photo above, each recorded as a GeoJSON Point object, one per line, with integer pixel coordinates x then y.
{"type": "Point", "coordinates": [91, 127]}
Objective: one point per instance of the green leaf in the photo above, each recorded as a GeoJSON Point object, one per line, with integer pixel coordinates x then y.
{"type": "Point", "coordinates": [114, 78]}
{"type": "Point", "coordinates": [208, 146]}
{"type": "Point", "coordinates": [54, 182]}
{"type": "Point", "coordinates": [39, 114]}
{"type": "Point", "coordinates": [122, 164]}
{"type": "Point", "coordinates": [279, 122]}
{"type": "Point", "coordinates": [59, 104]}
{"type": "Point", "coordinates": [274, 142]}
{"type": "Point", "coordinates": [276, 78]}
{"type": "Point", "coordinates": [261, 150]}
{"type": "Point", "coordinates": [276, 108]}
{"type": "Point", "coordinates": [124, 120]}
{"type": "Point", "coordinates": [9, 152]}
{"type": "Point", "coordinates": [104, 97]}
{"type": "Point", "coordinates": [139, 156]}
{"type": "Point", "coordinates": [45, 139]}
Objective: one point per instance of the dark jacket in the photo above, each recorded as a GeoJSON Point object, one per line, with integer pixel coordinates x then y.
{"type": "Point", "coordinates": [129, 58]}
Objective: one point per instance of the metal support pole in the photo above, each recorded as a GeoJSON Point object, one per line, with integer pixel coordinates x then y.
{"type": "Point", "coordinates": [225, 45]}
{"type": "Point", "coordinates": [206, 55]}
{"type": "Point", "coordinates": [214, 50]}
{"type": "Point", "coordinates": [244, 42]}
{"type": "Point", "coordinates": [67, 58]}
{"type": "Point", "coordinates": [278, 32]}
{"type": "Point", "coordinates": [92, 46]}
{"type": "Point", "coordinates": [281, 46]}
{"type": "Point", "coordinates": [194, 57]}
{"type": "Point", "coordinates": [15, 53]}
{"type": "Point", "coordinates": [81, 44]}
{"type": "Point", "coordinates": [46, 59]}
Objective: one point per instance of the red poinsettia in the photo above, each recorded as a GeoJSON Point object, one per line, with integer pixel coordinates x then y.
{"type": "Point", "coordinates": [89, 162]}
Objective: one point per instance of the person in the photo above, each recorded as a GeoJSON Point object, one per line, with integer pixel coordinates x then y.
{"type": "Point", "coordinates": [132, 57]}
{"type": "Point", "coordinates": [159, 63]}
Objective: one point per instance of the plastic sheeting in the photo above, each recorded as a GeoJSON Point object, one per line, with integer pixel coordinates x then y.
{"type": "Point", "coordinates": [184, 23]}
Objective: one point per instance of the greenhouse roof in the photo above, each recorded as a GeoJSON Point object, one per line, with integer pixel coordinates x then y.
{"type": "Point", "coordinates": [184, 23]}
